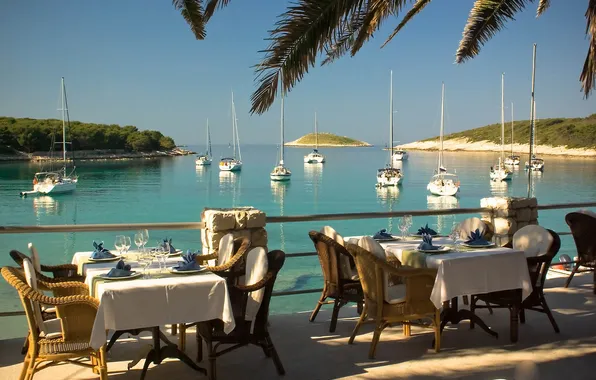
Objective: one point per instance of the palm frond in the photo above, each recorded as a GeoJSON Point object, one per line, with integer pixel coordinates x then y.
{"type": "Point", "coordinates": [486, 18]}
{"type": "Point", "coordinates": [192, 11]}
{"type": "Point", "coordinates": [542, 6]}
{"type": "Point", "coordinates": [416, 8]}
{"type": "Point", "coordinates": [343, 38]}
{"type": "Point", "coordinates": [587, 76]}
{"type": "Point", "coordinates": [376, 12]}
{"type": "Point", "coordinates": [212, 5]}
{"type": "Point", "coordinates": [300, 34]}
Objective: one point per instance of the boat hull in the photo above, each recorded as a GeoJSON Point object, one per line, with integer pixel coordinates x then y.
{"type": "Point", "coordinates": [280, 177]}
{"type": "Point", "coordinates": [449, 190]}
{"type": "Point", "coordinates": [230, 167]}
{"type": "Point", "coordinates": [314, 160]}
{"type": "Point", "coordinates": [400, 156]}
{"type": "Point", "coordinates": [388, 181]}
{"type": "Point", "coordinates": [500, 175]}
{"type": "Point", "coordinates": [56, 188]}
{"type": "Point", "coordinates": [203, 161]}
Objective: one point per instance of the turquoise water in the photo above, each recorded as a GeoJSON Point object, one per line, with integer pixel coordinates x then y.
{"type": "Point", "coordinates": [173, 190]}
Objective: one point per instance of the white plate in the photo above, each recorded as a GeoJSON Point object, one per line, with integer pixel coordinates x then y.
{"type": "Point", "coordinates": [176, 271]}
{"type": "Point", "coordinates": [381, 240]}
{"type": "Point", "coordinates": [434, 236]}
{"type": "Point", "coordinates": [134, 275]}
{"type": "Point", "coordinates": [489, 245]}
{"type": "Point", "coordinates": [442, 249]}
{"type": "Point", "coordinates": [106, 259]}
{"type": "Point", "coordinates": [177, 252]}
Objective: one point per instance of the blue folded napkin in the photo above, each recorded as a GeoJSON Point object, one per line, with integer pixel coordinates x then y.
{"type": "Point", "coordinates": [167, 245]}
{"type": "Point", "coordinates": [427, 244]}
{"type": "Point", "coordinates": [382, 234]}
{"type": "Point", "coordinates": [100, 252]}
{"type": "Point", "coordinates": [476, 238]}
{"type": "Point", "coordinates": [121, 270]}
{"type": "Point", "coordinates": [188, 263]}
{"type": "Point", "coordinates": [426, 230]}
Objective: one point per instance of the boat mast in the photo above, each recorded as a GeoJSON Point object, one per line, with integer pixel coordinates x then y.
{"type": "Point", "coordinates": [281, 155]}
{"type": "Point", "coordinates": [442, 125]}
{"type": "Point", "coordinates": [512, 128]}
{"type": "Point", "coordinates": [391, 120]}
{"type": "Point", "coordinates": [233, 126]}
{"type": "Point", "coordinates": [532, 108]}
{"type": "Point", "coordinates": [237, 135]}
{"type": "Point", "coordinates": [316, 133]}
{"type": "Point", "coordinates": [208, 140]}
{"type": "Point", "coordinates": [63, 126]}
{"type": "Point", "coordinates": [502, 118]}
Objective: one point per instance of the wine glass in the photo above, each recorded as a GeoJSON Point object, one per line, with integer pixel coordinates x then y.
{"type": "Point", "coordinates": [454, 235]}
{"type": "Point", "coordinates": [402, 224]}
{"type": "Point", "coordinates": [145, 259]}
{"type": "Point", "coordinates": [126, 245]}
{"type": "Point", "coordinates": [161, 253]}
{"type": "Point", "coordinates": [145, 234]}
{"type": "Point", "coordinates": [138, 241]}
{"type": "Point", "coordinates": [119, 243]}
{"type": "Point", "coordinates": [409, 222]}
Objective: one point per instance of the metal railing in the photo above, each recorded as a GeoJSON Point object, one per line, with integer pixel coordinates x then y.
{"type": "Point", "coordinates": [270, 219]}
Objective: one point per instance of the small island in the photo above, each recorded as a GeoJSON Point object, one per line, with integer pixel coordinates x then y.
{"type": "Point", "coordinates": [556, 136]}
{"type": "Point", "coordinates": [327, 140]}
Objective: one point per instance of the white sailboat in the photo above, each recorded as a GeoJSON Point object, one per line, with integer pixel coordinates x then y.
{"type": "Point", "coordinates": [315, 157]}
{"type": "Point", "coordinates": [537, 164]}
{"type": "Point", "coordinates": [513, 159]}
{"type": "Point", "coordinates": [207, 158]}
{"type": "Point", "coordinates": [400, 155]}
{"type": "Point", "coordinates": [60, 181]}
{"type": "Point", "coordinates": [389, 176]}
{"type": "Point", "coordinates": [280, 172]}
{"type": "Point", "coordinates": [500, 172]}
{"type": "Point", "coordinates": [234, 163]}
{"type": "Point", "coordinates": [443, 182]}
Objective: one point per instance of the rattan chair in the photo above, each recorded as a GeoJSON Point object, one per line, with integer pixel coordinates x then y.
{"type": "Point", "coordinates": [246, 331]}
{"type": "Point", "coordinates": [511, 299]}
{"type": "Point", "coordinates": [62, 272]}
{"type": "Point", "coordinates": [414, 305]}
{"type": "Point", "coordinates": [77, 314]}
{"type": "Point", "coordinates": [583, 229]}
{"type": "Point", "coordinates": [340, 289]}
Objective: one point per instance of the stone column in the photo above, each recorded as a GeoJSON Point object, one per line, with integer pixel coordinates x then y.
{"type": "Point", "coordinates": [241, 222]}
{"type": "Point", "coordinates": [509, 214]}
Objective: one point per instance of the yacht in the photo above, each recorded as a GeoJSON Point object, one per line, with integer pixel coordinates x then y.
{"type": "Point", "coordinates": [536, 164]}
{"type": "Point", "coordinates": [500, 172]}
{"type": "Point", "coordinates": [443, 182]}
{"type": "Point", "coordinates": [512, 159]}
{"type": "Point", "coordinates": [400, 155]}
{"type": "Point", "coordinates": [281, 172]}
{"type": "Point", "coordinates": [390, 176]}
{"type": "Point", "coordinates": [207, 158]}
{"type": "Point", "coordinates": [315, 157]}
{"type": "Point", "coordinates": [234, 163]}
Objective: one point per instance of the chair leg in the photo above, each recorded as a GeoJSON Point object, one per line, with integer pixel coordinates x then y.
{"type": "Point", "coordinates": [513, 323]}
{"type": "Point", "coordinates": [360, 305]}
{"type": "Point", "coordinates": [437, 328]}
{"type": "Point", "coordinates": [360, 322]}
{"type": "Point", "coordinates": [572, 274]}
{"type": "Point", "coordinates": [407, 328]}
{"type": "Point", "coordinates": [465, 299]}
{"type": "Point", "coordinates": [276, 360]}
{"type": "Point", "coordinates": [317, 308]}
{"type": "Point", "coordinates": [550, 315]}
{"type": "Point", "coordinates": [522, 315]}
{"type": "Point", "coordinates": [211, 370]}
{"type": "Point", "coordinates": [375, 341]}
{"type": "Point", "coordinates": [472, 309]}
{"type": "Point", "coordinates": [103, 366]}
{"type": "Point", "coordinates": [182, 337]}
{"type": "Point", "coordinates": [490, 309]}
{"type": "Point", "coordinates": [25, 367]}
{"type": "Point", "coordinates": [31, 365]}
{"type": "Point", "coordinates": [334, 315]}
{"type": "Point", "coordinates": [25, 345]}
{"type": "Point", "coordinates": [199, 346]}
{"type": "Point", "coordinates": [94, 364]}
{"type": "Point", "coordinates": [174, 329]}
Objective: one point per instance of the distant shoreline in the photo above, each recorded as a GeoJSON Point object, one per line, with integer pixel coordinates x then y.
{"type": "Point", "coordinates": [462, 144]}
{"type": "Point", "coordinates": [93, 155]}
{"type": "Point", "coordinates": [294, 144]}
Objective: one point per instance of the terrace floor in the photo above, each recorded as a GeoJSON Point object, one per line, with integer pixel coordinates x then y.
{"type": "Point", "coordinates": [309, 351]}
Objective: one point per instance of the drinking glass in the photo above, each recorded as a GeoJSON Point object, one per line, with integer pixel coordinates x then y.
{"type": "Point", "coordinates": [126, 245]}
{"type": "Point", "coordinates": [161, 254]}
{"type": "Point", "coordinates": [409, 223]}
{"type": "Point", "coordinates": [145, 260]}
{"type": "Point", "coordinates": [119, 243]}
{"type": "Point", "coordinates": [145, 234]}
{"type": "Point", "coordinates": [402, 224]}
{"type": "Point", "coordinates": [454, 235]}
{"type": "Point", "coordinates": [138, 241]}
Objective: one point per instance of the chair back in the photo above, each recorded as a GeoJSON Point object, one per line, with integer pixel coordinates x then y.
{"type": "Point", "coordinates": [34, 257]}
{"type": "Point", "coordinates": [370, 245]}
{"type": "Point", "coordinates": [226, 249]}
{"type": "Point", "coordinates": [256, 269]}
{"type": "Point", "coordinates": [15, 278]}
{"type": "Point", "coordinates": [329, 252]}
{"type": "Point", "coordinates": [533, 239]}
{"type": "Point", "coordinates": [538, 265]}
{"type": "Point", "coordinates": [18, 257]}
{"type": "Point", "coordinates": [467, 226]}
{"type": "Point", "coordinates": [583, 228]}
{"type": "Point", "coordinates": [371, 277]}
{"type": "Point", "coordinates": [275, 261]}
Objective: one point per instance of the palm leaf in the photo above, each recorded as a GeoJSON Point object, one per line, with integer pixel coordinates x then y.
{"type": "Point", "coordinates": [376, 12]}
{"type": "Point", "coordinates": [192, 11]}
{"type": "Point", "coordinates": [344, 38]}
{"type": "Point", "coordinates": [587, 76]}
{"type": "Point", "coordinates": [212, 5]}
{"type": "Point", "coordinates": [486, 18]}
{"type": "Point", "coordinates": [416, 8]}
{"type": "Point", "coordinates": [542, 6]}
{"type": "Point", "coordinates": [302, 32]}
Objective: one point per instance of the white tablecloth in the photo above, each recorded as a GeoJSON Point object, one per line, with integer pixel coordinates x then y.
{"type": "Point", "coordinates": [472, 272]}
{"type": "Point", "coordinates": [137, 303]}
{"type": "Point", "coordinates": [80, 259]}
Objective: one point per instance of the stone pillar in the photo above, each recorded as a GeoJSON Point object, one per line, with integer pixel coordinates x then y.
{"type": "Point", "coordinates": [240, 221]}
{"type": "Point", "coordinates": [508, 215]}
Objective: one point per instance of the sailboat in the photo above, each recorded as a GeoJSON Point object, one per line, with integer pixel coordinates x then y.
{"type": "Point", "coordinates": [537, 164]}
{"type": "Point", "coordinates": [280, 172]}
{"type": "Point", "coordinates": [234, 163]}
{"type": "Point", "coordinates": [389, 176]}
{"type": "Point", "coordinates": [315, 157]}
{"type": "Point", "coordinates": [400, 155]}
{"type": "Point", "coordinates": [207, 158]}
{"type": "Point", "coordinates": [443, 182]}
{"type": "Point", "coordinates": [60, 181]}
{"type": "Point", "coordinates": [500, 172]}
{"type": "Point", "coordinates": [513, 159]}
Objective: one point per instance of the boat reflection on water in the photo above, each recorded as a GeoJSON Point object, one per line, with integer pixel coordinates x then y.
{"type": "Point", "coordinates": [46, 205]}
{"type": "Point", "coordinates": [499, 188]}
{"type": "Point", "coordinates": [230, 183]}
{"type": "Point", "coordinates": [443, 202]}
{"type": "Point", "coordinates": [279, 190]}
{"type": "Point", "coordinates": [389, 197]}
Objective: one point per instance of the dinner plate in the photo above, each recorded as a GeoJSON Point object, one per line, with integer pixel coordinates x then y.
{"type": "Point", "coordinates": [418, 235]}
{"type": "Point", "coordinates": [176, 271]}
{"type": "Point", "coordinates": [177, 252]}
{"type": "Point", "coordinates": [489, 245]}
{"type": "Point", "coordinates": [133, 275]}
{"type": "Point", "coordinates": [381, 240]}
{"type": "Point", "coordinates": [105, 259]}
{"type": "Point", "coordinates": [442, 249]}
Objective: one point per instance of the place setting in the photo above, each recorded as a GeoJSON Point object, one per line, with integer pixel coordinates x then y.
{"type": "Point", "coordinates": [188, 265]}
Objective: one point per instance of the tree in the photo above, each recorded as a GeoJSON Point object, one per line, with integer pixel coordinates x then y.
{"type": "Point", "coordinates": [336, 27]}
{"type": "Point", "coordinates": [166, 143]}
{"type": "Point", "coordinates": [139, 142]}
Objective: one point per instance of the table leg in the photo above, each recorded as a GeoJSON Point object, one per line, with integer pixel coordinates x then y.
{"type": "Point", "coordinates": [119, 333]}
{"type": "Point", "coordinates": [451, 314]}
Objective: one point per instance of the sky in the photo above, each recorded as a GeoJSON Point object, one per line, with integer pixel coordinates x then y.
{"type": "Point", "coordinates": [136, 62]}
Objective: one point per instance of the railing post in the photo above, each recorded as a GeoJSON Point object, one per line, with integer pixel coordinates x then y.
{"type": "Point", "coordinates": [507, 215]}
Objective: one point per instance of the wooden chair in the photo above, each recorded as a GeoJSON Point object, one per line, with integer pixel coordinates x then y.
{"type": "Point", "coordinates": [71, 344]}
{"type": "Point", "coordinates": [336, 286]}
{"type": "Point", "coordinates": [382, 309]}
{"type": "Point", "coordinates": [511, 299]}
{"type": "Point", "coordinates": [583, 229]}
{"type": "Point", "coordinates": [251, 316]}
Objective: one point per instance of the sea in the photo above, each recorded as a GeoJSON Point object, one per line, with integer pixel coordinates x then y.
{"type": "Point", "coordinates": [175, 190]}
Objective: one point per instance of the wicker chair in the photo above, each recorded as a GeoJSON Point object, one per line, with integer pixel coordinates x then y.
{"type": "Point", "coordinates": [413, 306]}
{"type": "Point", "coordinates": [76, 312]}
{"type": "Point", "coordinates": [232, 269]}
{"type": "Point", "coordinates": [62, 272]}
{"type": "Point", "coordinates": [471, 224]}
{"type": "Point", "coordinates": [583, 226]}
{"type": "Point", "coordinates": [511, 299]}
{"type": "Point", "coordinates": [341, 290]}
{"type": "Point", "coordinates": [246, 331]}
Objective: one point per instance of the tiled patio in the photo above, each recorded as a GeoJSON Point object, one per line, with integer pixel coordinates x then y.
{"type": "Point", "coordinates": [308, 351]}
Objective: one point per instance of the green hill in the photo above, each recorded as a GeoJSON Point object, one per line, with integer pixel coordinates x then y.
{"type": "Point", "coordinates": [572, 133]}
{"type": "Point", "coordinates": [327, 139]}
